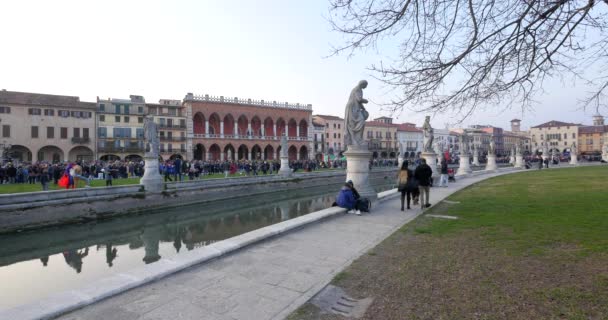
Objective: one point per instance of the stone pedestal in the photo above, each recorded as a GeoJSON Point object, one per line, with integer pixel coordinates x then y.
{"type": "Point", "coordinates": [605, 156]}
{"type": "Point", "coordinates": [357, 170]}
{"type": "Point", "coordinates": [475, 160]}
{"type": "Point", "coordinates": [491, 165]}
{"type": "Point", "coordinates": [152, 180]}
{"type": "Point", "coordinates": [464, 167]}
{"type": "Point", "coordinates": [519, 162]}
{"type": "Point", "coordinates": [511, 160]}
{"type": "Point", "coordinates": [573, 159]}
{"type": "Point", "coordinates": [285, 171]}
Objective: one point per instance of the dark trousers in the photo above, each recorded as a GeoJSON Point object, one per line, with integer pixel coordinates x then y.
{"type": "Point", "coordinates": [408, 195]}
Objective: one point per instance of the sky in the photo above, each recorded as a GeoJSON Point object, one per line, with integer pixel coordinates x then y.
{"type": "Point", "coordinates": [264, 49]}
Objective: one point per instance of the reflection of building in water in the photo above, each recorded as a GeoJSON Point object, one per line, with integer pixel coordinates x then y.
{"type": "Point", "coordinates": [74, 258]}
{"type": "Point", "coordinates": [151, 239]}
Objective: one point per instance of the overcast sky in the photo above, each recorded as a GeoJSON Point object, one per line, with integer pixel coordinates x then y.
{"type": "Point", "coordinates": [263, 49]}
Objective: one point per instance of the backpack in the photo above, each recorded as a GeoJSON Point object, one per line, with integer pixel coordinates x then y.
{"type": "Point", "coordinates": [365, 205]}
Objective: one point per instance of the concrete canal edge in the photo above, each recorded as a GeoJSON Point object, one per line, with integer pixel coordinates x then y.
{"type": "Point", "coordinates": [33, 210]}
{"type": "Point", "coordinates": [67, 301]}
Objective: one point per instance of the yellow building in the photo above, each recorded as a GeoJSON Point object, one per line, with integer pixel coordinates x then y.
{"type": "Point", "coordinates": [558, 135]}
{"type": "Point", "coordinates": [120, 128]}
{"type": "Point", "coordinates": [381, 137]}
{"type": "Point", "coordinates": [44, 127]}
{"type": "Point", "coordinates": [334, 132]}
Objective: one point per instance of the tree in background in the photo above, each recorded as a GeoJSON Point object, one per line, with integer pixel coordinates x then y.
{"type": "Point", "coordinates": [459, 55]}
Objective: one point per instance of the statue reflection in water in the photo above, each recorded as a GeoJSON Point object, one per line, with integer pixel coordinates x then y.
{"type": "Point", "coordinates": [111, 254]}
{"type": "Point", "coordinates": [74, 258]}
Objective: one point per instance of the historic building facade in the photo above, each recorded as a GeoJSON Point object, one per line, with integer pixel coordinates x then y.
{"type": "Point", "coordinates": [120, 128]}
{"type": "Point", "coordinates": [170, 115]}
{"type": "Point", "coordinates": [44, 127]}
{"type": "Point", "coordinates": [221, 128]}
{"type": "Point", "coordinates": [334, 133]}
{"type": "Point", "coordinates": [318, 139]}
{"type": "Point", "coordinates": [410, 139]}
{"type": "Point", "coordinates": [558, 135]}
{"type": "Point", "coordinates": [591, 139]}
{"type": "Point", "coordinates": [381, 137]}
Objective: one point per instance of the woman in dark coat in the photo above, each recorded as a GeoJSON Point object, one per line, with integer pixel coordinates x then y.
{"type": "Point", "coordinates": [407, 184]}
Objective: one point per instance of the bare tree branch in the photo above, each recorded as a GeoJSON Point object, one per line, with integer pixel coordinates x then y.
{"type": "Point", "coordinates": [459, 55]}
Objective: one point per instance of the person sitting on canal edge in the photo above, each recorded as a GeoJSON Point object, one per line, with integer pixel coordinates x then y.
{"type": "Point", "coordinates": [424, 175]}
{"type": "Point", "coordinates": [350, 199]}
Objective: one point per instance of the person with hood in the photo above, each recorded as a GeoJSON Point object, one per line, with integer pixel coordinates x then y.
{"type": "Point", "coordinates": [347, 198]}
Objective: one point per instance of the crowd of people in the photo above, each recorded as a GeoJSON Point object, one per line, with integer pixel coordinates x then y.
{"type": "Point", "coordinates": [173, 170]}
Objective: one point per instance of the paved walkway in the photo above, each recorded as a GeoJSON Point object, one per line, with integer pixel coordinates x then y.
{"type": "Point", "coordinates": [267, 280]}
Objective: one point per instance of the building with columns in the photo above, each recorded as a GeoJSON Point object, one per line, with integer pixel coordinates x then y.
{"type": "Point", "coordinates": [45, 127]}
{"type": "Point", "coordinates": [221, 128]}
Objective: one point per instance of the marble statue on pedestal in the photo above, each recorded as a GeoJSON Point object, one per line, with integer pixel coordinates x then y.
{"type": "Point", "coordinates": [151, 137]}
{"type": "Point", "coordinates": [355, 116]}
{"type": "Point", "coordinates": [428, 135]}
{"type": "Point", "coordinates": [518, 148]}
{"type": "Point", "coordinates": [152, 181]}
{"type": "Point", "coordinates": [545, 150]}
{"type": "Point", "coordinates": [492, 148]}
{"type": "Point", "coordinates": [357, 154]}
{"type": "Point", "coordinates": [573, 150]}
{"type": "Point", "coordinates": [284, 146]}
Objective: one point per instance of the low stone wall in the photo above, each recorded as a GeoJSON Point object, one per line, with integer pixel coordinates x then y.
{"type": "Point", "coordinates": [41, 209]}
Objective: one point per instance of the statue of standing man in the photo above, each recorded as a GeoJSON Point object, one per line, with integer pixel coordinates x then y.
{"type": "Point", "coordinates": [151, 136]}
{"type": "Point", "coordinates": [428, 135]}
{"type": "Point", "coordinates": [354, 119]}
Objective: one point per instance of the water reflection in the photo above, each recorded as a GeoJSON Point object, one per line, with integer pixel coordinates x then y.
{"type": "Point", "coordinates": [34, 264]}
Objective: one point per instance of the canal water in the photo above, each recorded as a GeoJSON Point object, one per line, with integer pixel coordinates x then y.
{"type": "Point", "coordinates": [35, 264]}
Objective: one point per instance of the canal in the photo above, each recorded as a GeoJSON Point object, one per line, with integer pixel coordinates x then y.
{"type": "Point", "coordinates": [36, 264]}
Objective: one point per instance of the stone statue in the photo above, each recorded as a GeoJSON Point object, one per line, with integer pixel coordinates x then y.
{"type": "Point", "coordinates": [492, 148]}
{"type": "Point", "coordinates": [513, 151]}
{"type": "Point", "coordinates": [284, 146]}
{"type": "Point", "coordinates": [464, 144]}
{"type": "Point", "coordinates": [428, 135]}
{"type": "Point", "coordinates": [573, 150]}
{"type": "Point", "coordinates": [354, 119]}
{"type": "Point", "coordinates": [545, 149]}
{"type": "Point", "coordinates": [151, 136]}
{"type": "Point", "coordinates": [605, 151]}
{"type": "Point", "coordinates": [518, 148]}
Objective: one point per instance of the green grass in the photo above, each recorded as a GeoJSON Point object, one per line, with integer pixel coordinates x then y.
{"type": "Point", "coordinates": [535, 212]}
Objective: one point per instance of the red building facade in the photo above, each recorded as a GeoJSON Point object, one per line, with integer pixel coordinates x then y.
{"type": "Point", "coordinates": [220, 128]}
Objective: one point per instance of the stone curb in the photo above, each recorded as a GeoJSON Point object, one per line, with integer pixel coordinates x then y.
{"type": "Point", "coordinates": [67, 301]}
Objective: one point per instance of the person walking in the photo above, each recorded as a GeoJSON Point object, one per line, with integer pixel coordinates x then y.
{"type": "Point", "coordinates": [407, 184]}
{"type": "Point", "coordinates": [443, 182]}
{"type": "Point", "coordinates": [423, 175]}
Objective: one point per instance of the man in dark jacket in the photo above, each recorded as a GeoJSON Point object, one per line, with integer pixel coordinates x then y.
{"type": "Point", "coordinates": [424, 174]}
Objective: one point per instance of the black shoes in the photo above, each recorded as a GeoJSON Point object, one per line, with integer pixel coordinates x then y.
{"type": "Point", "coordinates": [427, 205]}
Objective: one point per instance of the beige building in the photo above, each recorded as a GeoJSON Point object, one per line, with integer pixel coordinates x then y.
{"type": "Point", "coordinates": [558, 135]}
{"type": "Point", "coordinates": [381, 137]}
{"type": "Point", "coordinates": [334, 132]}
{"type": "Point", "coordinates": [591, 139]}
{"type": "Point", "coordinates": [44, 127]}
{"type": "Point", "coordinates": [170, 116]}
{"type": "Point", "coordinates": [120, 128]}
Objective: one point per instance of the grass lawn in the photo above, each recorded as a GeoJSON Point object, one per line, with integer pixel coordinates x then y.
{"type": "Point", "coordinates": [531, 245]}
